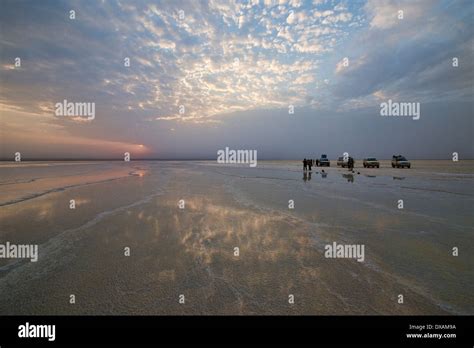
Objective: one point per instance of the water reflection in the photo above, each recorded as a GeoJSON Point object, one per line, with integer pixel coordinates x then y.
{"type": "Point", "coordinates": [349, 177]}
{"type": "Point", "coordinates": [140, 173]}
{"type": "Point", "coordinates": [193, 250]}
{"type": "Point", "coordinates": [306, 176]}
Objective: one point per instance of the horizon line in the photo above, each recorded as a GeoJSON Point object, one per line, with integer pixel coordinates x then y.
{"type": "Point", "coordinates": [195, 159]}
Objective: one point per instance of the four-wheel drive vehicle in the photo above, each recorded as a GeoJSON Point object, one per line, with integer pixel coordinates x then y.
{"type": "Point", "coordinates": [371, 162]}
{"type": "Point", "coordinates": [400, 162]}
{"type": "Point", "coordinates": [340, 161]}
{"type": "Point", "coordinates": [323, 161]}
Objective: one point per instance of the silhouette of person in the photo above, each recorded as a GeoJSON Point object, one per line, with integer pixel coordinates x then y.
{"type": "Point", "coordinates": [351, 163]}
{"type": "Point", "coordinates": [305, 163]}
{"type": "Point", "coordinates": [310, 164]}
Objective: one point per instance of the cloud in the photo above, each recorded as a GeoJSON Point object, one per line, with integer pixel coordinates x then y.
{"type": "Point", "coordinates": [303, 79]}
{"type": "Point", "coordinates": [296, 3]}
{"type": "Point", "coordinates": [385, 13]}
{"type": "Point", "coordinates": [412, 60]}
{"type": "Point", "coordinates": [224, 57]}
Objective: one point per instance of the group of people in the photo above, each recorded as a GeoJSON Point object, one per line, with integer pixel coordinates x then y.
{"type": "Point", "coordinates": [308, 163]}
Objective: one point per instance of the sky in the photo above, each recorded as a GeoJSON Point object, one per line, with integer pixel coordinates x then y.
{"type": "Point", "coordinates": [290, 79]}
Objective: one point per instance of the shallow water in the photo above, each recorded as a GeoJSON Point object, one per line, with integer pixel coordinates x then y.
{"type": "Point", "coordinates": [190, 251]}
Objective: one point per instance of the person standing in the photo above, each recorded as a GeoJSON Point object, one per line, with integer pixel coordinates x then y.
{"type": "Point", "coordinates": [350, 163]}
{"type": "Point", "coordinates": [305, 163]}
{"type": "Point", "coordinates": [310, 164]}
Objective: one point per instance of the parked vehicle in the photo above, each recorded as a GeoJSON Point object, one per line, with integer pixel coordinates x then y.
{"type": "Point", "coordinates": [371, 162]}
{"type": "Point", "coordinates": [340, 161]}
{"type": "Point", "coordinates": [323, 161]}
{"type": "Point", "coordinates": [400, 162]}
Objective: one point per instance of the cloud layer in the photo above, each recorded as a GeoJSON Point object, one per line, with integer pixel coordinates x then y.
{"type": "Point", "coordinates": [196, 65]}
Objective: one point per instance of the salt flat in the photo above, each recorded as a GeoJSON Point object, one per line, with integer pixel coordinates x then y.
{"type": "Point", "coordinates": [190, 251]}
